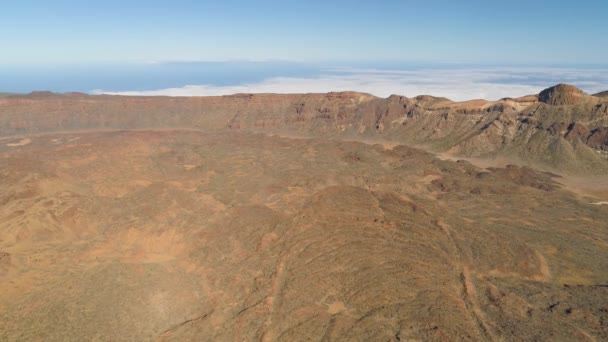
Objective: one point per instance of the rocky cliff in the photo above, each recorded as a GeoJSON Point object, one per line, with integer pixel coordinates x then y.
{"type": "Point", "coordinates": [561, 128]}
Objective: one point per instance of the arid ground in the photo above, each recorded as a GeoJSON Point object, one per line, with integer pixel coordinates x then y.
{"type": "Point", "coordinates": [224, 234]}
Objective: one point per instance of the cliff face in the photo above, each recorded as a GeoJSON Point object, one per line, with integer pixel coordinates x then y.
{"type": "Point", "coordinates": [562, 127]}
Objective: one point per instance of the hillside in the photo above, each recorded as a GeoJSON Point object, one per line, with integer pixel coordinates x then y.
{"type": "Point", "coordinates": [303, 217]}
{"type": "Point", "coordinates": [561, 129]}
{"type": "Point", "coordinates": [181, 235]}
{"type": "Point", "coordinates": [602, 94]}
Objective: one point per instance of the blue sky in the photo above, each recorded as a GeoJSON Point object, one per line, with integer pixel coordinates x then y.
{"type": "Point", "coordinates": [458, 49]}
{"type": "Point", "coordinates": [440, 31]}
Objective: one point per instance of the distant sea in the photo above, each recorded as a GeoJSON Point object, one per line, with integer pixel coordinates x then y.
{"type": "Point", "coordinates": [455, 81]}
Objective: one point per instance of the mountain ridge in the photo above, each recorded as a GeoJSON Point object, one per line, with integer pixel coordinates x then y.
{"type": "Point", "coordinates": [601, 94]}
{"type": "Point", "coordinates": [561, 128]}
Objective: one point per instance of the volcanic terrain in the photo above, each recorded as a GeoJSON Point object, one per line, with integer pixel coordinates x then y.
{"type": "Point", "coordinates": [324, 217]}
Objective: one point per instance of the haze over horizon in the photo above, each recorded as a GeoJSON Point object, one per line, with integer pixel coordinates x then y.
{"type": "Point", "coordinates": [398, 47]}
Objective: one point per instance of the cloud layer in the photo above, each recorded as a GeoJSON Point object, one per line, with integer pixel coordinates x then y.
{"type": "Point", "coordinates": [457, 84]}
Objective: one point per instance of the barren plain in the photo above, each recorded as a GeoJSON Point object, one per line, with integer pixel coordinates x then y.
{"type": "Point", "coordinates": [324, 217]}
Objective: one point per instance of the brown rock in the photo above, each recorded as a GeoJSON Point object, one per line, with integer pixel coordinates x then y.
{"type": "Point", "coordinates": [562, 94]}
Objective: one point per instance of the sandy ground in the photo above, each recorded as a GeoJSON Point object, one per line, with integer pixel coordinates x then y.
{"type": "Point", "coordinates": [185, 235]}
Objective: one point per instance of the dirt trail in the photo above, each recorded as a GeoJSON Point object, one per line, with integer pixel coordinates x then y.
{"type": "Point", "coordinates": [285, 239]}
{"type": "Point", "coordinates": [468, 292]}
{"type": "Point", "coordinates": [275, 300]}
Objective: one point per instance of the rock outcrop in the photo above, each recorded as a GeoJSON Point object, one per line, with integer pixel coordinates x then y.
{"type": "Point", "coordinates": [561, 128]}
{"type": "Point", "coordinates": [562, 94]}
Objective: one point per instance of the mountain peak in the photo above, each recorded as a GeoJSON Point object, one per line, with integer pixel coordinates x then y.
{"type": "Point", "coordinates": [561, 94]}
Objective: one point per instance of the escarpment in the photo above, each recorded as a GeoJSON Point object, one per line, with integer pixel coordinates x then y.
{"type": "Point", "coordinates": [562, 127]}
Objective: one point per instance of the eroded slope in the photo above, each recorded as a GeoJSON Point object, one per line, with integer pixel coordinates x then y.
{"type": "Point", "coordinates": [560, 129]}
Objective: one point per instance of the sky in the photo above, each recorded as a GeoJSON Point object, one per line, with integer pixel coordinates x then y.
{"type": "Point", "coordinates": [142, 46]}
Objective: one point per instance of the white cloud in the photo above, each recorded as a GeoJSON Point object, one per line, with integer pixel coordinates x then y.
{"type": "Point", "coordinates": [457, 84]}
